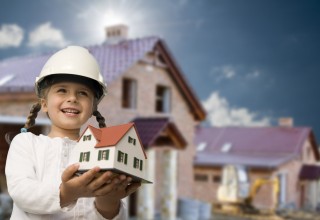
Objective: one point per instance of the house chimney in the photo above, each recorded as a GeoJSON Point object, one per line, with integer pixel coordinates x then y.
{"type": "Point", "coordinates": [116, 33]}
{"type": "Point", "coordinates": [285, 122]}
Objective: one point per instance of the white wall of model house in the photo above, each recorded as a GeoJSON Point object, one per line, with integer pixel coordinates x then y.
{"type": "Point", "coordinates": [130, 154]}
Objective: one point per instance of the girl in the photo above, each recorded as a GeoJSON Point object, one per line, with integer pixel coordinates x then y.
{"type": "Point", "coordinates": [40, 181]}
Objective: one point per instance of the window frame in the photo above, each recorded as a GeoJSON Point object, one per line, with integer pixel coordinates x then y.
{"type": "Point", "coordinates": [129, 93]}
{"type": "Point", "coordinates": [163, 99]}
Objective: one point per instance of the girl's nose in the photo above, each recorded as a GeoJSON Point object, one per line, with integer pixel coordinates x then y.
{"type": "Point", "coordinates": [72, 97]}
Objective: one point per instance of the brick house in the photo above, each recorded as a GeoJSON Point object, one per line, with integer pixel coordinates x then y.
{"type": "Point", "coordinates": [145, 85]}
{"type": "Point", "coordinates": [287, 152]}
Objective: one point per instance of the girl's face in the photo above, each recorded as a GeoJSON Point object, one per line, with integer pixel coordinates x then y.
{"type": "Point", "coordinates": [69, 105]}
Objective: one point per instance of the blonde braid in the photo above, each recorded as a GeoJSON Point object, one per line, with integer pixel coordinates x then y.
{"type": "Point", "coordinates": [29, 123]}
{"type": "Point", "coordinates": [32, 116]}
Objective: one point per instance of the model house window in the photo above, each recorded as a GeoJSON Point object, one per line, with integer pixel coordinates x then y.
{"type": "Point", "coordinates": [131, 140]}
{"type": "Point", "coordinates": [201, 177]}
{"type": "Point", "coordinates": [122, 157]}
{"type": "Point", "coordinates": [129, 94]}
{"type": "Point", "coordinates": [162, 99]}
{"type": "Point", "coordinates": [103, 155]}
{"type": "Point", "coordinates": [87, 137]}
{"type": "Point", "coordinates": [84, 156]}
{"type": "Point", "coordinates": [138, 164]}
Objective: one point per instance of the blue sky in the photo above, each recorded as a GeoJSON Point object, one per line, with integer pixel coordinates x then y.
{"type": "Point", "coordinates": [249, 61]}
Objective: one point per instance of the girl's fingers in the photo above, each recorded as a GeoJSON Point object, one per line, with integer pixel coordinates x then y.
{"type": "Point", "coordinates": [98, 182]}
{"type": "Point", "coordinates": [88, 176]}
{"type": "Point", "coordinates": [118, 183]}
{"type": "Point", "coordinates": [69, 172]}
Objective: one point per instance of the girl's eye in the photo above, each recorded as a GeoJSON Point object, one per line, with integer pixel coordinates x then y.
{"type": "Point", "coordinates": [61, 90]}
{"type": "Point", "coordinates": [83, 93]}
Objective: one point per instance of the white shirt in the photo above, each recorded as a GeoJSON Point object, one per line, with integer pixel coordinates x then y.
{"type": "Point", "coordinates": [33, 170]}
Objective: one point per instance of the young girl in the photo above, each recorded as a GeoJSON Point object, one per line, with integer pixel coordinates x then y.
{"type": "Point", "coordinates": [40, 181]}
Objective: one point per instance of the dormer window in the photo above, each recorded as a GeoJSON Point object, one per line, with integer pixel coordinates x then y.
{"type": "Point", "coordinates": [162, 99]}
{"type": "Point", "coordinates": [87, 137]}
{"type": "Point", "coordinates": [129, 94]}
{"type": "Point", "coordinates": [138, 164]}
{"type": "Point", "coordinates": [131, 140]}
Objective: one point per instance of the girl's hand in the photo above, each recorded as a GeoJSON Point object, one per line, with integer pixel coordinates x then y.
{"type": "Point", "coordinates": [90, 184]}
{"type": "Point", "coordinates": [109, 196]}
{"type": "Point", "coordinates": [86, 185]}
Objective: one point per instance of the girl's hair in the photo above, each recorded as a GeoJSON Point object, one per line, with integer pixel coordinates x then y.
{"type": "Point", "coordinates": [31, 119]}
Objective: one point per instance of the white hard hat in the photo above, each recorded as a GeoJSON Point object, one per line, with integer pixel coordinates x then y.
{"type": "Point", "coordinates": [73, 61]}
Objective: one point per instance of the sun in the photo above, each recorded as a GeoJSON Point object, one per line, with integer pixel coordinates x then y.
{"type": "Point", "coordinates": [99, 15]}
{"type": "Point", "coordinates": [112, 17]}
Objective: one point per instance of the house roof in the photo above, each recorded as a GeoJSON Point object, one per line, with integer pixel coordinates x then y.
{"type": "Point", "coordinates": [153, 129]}
{"type": "Point", "coordinates": [110, 136]}
{"type": "Point", "coordinates": [18, 74]}
{"type": "Point", "coordinates": [263, 147]}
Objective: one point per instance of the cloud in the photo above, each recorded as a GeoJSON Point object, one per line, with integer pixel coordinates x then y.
{"type": "Point", "coordinates": [224, 72]}
{"type": "Point", "coordinates": [254, 74]}
{"type": "Point", "coordinates": [11, 35]}
{"type": "Point", "coordinates": [220, 113]}
{"type": "Point", "coordinates": [46, 35]}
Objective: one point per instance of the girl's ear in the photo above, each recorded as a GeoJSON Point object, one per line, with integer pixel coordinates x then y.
{"type": "Point", "coordinates": [44, 106]}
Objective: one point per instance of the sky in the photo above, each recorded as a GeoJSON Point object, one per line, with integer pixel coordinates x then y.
{"type": "Point", "coordinates": [250, 62]}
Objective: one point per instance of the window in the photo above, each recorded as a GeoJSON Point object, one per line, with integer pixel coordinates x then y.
{"type": "Point", "coordinates": [86, 137]}
{"type": "Point", "coordinates": [84, 156]}
{"type": "Point", "coordinates": [162, 99]}
{"type": "Point", "coordinates": [216, 178]}
{"type": "Point", "coordinates": [201, 177]}
{"type": "Point", "coordinates": [103, 155]}
{"type": "Point", "coordinates": [129, 94]}
{"type": "Point", "coordinates": [132, 140]}
{"type": "Point", "coordinates": [138, 164]}
{"type": "Point", "coordinates": [122, 157]}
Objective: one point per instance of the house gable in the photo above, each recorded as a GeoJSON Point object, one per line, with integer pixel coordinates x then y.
{"type": "Point", "coordinates": [130, 154]}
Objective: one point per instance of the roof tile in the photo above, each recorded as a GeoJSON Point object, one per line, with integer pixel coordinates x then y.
{"type": "Point", "coordinates": [114, 60]}
{"type": "Point", "coordinates": [254, 146]}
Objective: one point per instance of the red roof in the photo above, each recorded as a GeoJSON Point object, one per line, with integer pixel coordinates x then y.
{"type": "Point", "coordinates": [110, 136]}
{"type": "Point", "coordinates": [251, 146]}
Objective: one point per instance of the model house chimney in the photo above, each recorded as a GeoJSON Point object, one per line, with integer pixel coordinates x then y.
{"type": "Point", "coordinates": [116, 33]}
{"type": "Point", "coordinates": [285, 122]}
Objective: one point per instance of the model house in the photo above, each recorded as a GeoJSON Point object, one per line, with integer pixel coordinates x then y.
{"type": "Point", "coordinates": [116, 148]}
